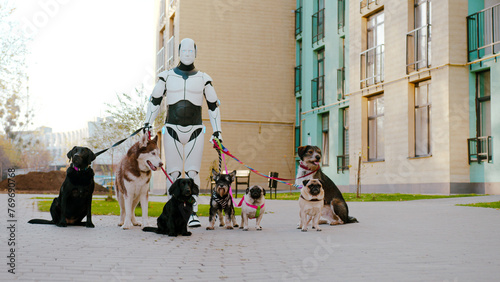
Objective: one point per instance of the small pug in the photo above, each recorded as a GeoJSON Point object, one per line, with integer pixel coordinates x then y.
{"type": "Point", "coordinates": [311, 202]}
{"type": "Point", "coordinates": [253, 206]}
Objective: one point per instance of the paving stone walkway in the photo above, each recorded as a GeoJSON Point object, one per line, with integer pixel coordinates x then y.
{"type": "Point", "coordinates": [425, 240]}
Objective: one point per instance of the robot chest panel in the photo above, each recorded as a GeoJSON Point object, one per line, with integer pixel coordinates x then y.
{"type": "Point", "coordinates": [190, 89]}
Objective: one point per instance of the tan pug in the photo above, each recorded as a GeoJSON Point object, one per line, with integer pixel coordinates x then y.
{"type": "Point", "coordinates": [311, 202]}
{"type": "Point", "coordinates": [253, 206]}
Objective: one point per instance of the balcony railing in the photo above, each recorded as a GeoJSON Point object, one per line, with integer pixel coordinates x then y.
{"type": "Point", "coordinates": [340, 15]}
{"type": "Point", "coordinates": [366, 3]}
{"type": "Point", "coordinates": [342, 163]}
{"type": "Point", "coordinates": [318, 26]}
{"type": "Point", "coordinates": [170, 51]}
{"type": "Point", "coordinates": [160, 60]}
{"type": "Point", "coordinates": [318, 92]}
{"type": "Point", "coordinates": [298, 78]}
{"type": "Point", "coordinates": [483, 33]}
{"type": "Point", "coordinates": [372, 66]}
{"type": "Point", "coordinates": [163, 7]}
{"type": "Point", "coordinates": [418, 48]}
{"type": "Point", "coordinates": [172, 4]}
{"type": "Point", "coordinates": [480, 149]}
{"type": "Point", "coordinates": [341, 84]}
{"type": "Point", "coordinates": [298, 21]}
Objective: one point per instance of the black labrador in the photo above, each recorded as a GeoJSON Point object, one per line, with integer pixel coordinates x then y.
{"type": "Point", "coordinates": [75, 197]}
{"type": "Point", "coordinates": [174, 218]}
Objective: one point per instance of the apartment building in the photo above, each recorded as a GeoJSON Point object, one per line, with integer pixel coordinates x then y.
{"type": "Point", "coordinates": [247, 47]}
{"type": "Point", "coordinates": [322, 111]}
{"type": "Point", "coordinates": [421, 92]}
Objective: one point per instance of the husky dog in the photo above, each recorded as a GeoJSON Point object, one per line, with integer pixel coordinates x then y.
{"type": "Point", "coordinates": [132, 180]}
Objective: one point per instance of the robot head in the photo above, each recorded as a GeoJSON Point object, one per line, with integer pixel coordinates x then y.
{"type": "Point", "coordinates": [187, 51]}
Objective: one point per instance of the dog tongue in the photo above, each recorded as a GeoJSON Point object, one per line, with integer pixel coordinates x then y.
{"type": "Point", "coordinates": [153, 168]}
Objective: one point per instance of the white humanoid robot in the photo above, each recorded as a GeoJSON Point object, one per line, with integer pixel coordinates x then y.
{"type": "Point", "coordinates": [185, 88]}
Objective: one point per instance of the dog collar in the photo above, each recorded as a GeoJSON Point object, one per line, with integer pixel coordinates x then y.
{"type": "Point", "coordinates": [312, 200]}
{"type": "Point", "coordinates": [78, 169]}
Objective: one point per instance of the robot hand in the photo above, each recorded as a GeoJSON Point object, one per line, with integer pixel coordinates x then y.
{"type": "Point", "coordinates": [216, 135]}
{"type": "Point", "coordinates": [147, 128]}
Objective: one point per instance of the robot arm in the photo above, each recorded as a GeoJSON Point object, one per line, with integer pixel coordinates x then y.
{"type": "Point", "coordinates": [213, 108]}
{"type": "Point", "coordinates": [155, 102]}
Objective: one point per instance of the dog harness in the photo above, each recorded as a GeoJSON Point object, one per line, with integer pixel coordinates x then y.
{"type": "Point", "coordinates": [252, 206]}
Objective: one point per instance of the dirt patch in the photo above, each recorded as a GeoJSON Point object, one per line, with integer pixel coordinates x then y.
{"type": "Point", "coordinates": [42, 183]}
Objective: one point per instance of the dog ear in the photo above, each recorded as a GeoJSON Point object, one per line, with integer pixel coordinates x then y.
{"type": "Point", "coordinates": [144, 141]}
{"type": "Point", "coordinates": [264, 191]}
{"type": "Point", "coordinates": [91, 157]}
{"type": "Point", "coordinates": [301, 151]}
{"type": "Point", "coordinates": [247, 190]}
{"type": "Point", "coordinates": [322, 182]}
{"type": "Point", "coordinates": [305, 182]}
{"type": "Point", "coordinates": [194, 188]}
{"type": "Point", "coordinates": [215, 174]}
{"type": "Point", "coordinates": [174, 189]}
{"type": "Point", "coordinates": [233, 174]}
{"type": "Point", "coordinates": [71, 153]}
{"type": "Point", "coordinates": [155, 140]}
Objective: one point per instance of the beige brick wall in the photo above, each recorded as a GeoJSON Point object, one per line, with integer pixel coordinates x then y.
{"type": "Point", "coordinates": [449, 86]}
{"type": "Point", "coordinates": [248, 48]}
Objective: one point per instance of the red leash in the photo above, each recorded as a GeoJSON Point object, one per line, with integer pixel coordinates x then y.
{"type": "Point", "coordinates": [166, 174]}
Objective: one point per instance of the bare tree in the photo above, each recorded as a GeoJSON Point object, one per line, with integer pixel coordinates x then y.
{"type": "Point", "coordinates": [14, 112]}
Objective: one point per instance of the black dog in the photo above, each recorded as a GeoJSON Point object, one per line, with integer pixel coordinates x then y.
{"type": "Point", "coordinates": [75, 197]}
{"type": "Point", "coordinates": [221, 200]}
{"type": "Point", "coordinates": [174, 218]}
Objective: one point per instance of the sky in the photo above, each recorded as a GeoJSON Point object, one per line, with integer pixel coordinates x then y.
{"type": "Point", "coordinates": [83, 53]}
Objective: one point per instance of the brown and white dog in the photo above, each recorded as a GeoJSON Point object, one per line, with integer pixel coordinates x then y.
{"type": "Point", "coordinates": [311, 203]}
{"type": "Point", "coordinates": [335, 209]}
{"type": "Point", "coordinates": [132, 180]}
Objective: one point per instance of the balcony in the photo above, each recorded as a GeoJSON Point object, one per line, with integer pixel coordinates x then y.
{"type": "Point", "coordinates": [366, 3]}
{"type": "Point", "coordinates": [318, 26]}
{"type": "Point", "coordinates": [340, 15]}
{"type": "Point", "coordinates": [340, 84]}
{"type": "Point", "coordinates": [298, 79]}
{"type": "Point", "coordinates": [483, 33]}
{"type": "Point", "coordinates": [170, 52]}
{"type": "Point", "coordinates": [480, 149]}
{"type": "Point", "coordinates": [342, 163]}
{"type": "Point", "coordinates": [372, 66]}
{"type": "Point", "coordinates": [160, 60]}
{"type": "Point", "coordinates": [418, 49]}
{"type": "Point", "coordinates": [298, 21]}
{"type": "Point", "coordinates": [318, 91]}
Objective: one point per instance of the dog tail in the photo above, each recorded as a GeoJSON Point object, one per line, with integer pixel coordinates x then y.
{"type": "Point", "coordinates": [150, 229]}
{"type": "Point", "coordinates": [40, 221]}
{"type": "Point", "coordinates": [352, 220]}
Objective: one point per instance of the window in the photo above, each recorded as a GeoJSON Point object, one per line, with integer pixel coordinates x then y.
{"type": "Point", "coordinates": [298, 19]}
{"type": "Point", "coordinates": [340, 15]}
{"type": "Point", "coordinates": [483, 32]}
{"type": "Point", "coordinates": [372, 60]}
{"type": "Point", "coordinates": [418, 41]}
{"type": "Point", "coordinates": [318, 22]}
{"type": "Point", "coordinates": [160, 55]}
{"type": "Point", "coordinates": [325, 140]}
{"type": "Point", "coordinates": [376, 128]}
{"type": "Point", "coordinates": [298, 69]}
{"type": "Point", "coordinates": [341, 72]}
{"type": "Point", "coordinates": [318, 83]}
{"type": "Point", "coordinates": [298, 123]}
{"type": "Point", "coordinates": [423, 119]}
{"type": "Point", "coordinates": [343, 159]}
{"type": "Point", "coordinates": [480, 147]}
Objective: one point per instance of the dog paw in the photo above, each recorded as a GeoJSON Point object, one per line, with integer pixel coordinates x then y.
{"type": "Point", "coordinates": [229, 227]}
{"type": "Point", "coordinates": [120, 224]}
{"type": "Point", "coordinates": [137, 223]}
{"type": "Point", "coordinates": [126, 227]}
{"type": "Point", "coordinates": [235, 225]}
{"type": "Point", "coordinates": [172, 234]}
{"type": "Point", "coordinates": [304, 230]}
{"type": "Point", "coordinates": [245, 229]}
{"type": "Point", "coordinates": [89, 225]}
{"type": "Point", "coordinates": [210, 228]}
{"type": "Point", "coordinates": [241, 227]}
{"type": "Point", "coordinates": [187, 234]}
{"type": "Point", "coordinates": [62, 224]}
{"type": "Point", "coordinates": [318, 229]}
{"type": "Point", "coordinates": [259, 228]}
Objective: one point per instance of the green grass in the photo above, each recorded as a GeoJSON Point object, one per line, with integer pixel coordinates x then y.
{"type": "Point", "coordinates": [103, 207]}
{"type": "Point", "coordinates": [493, 205]}
{"type": "Point", "coordinates": [375, 197]}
